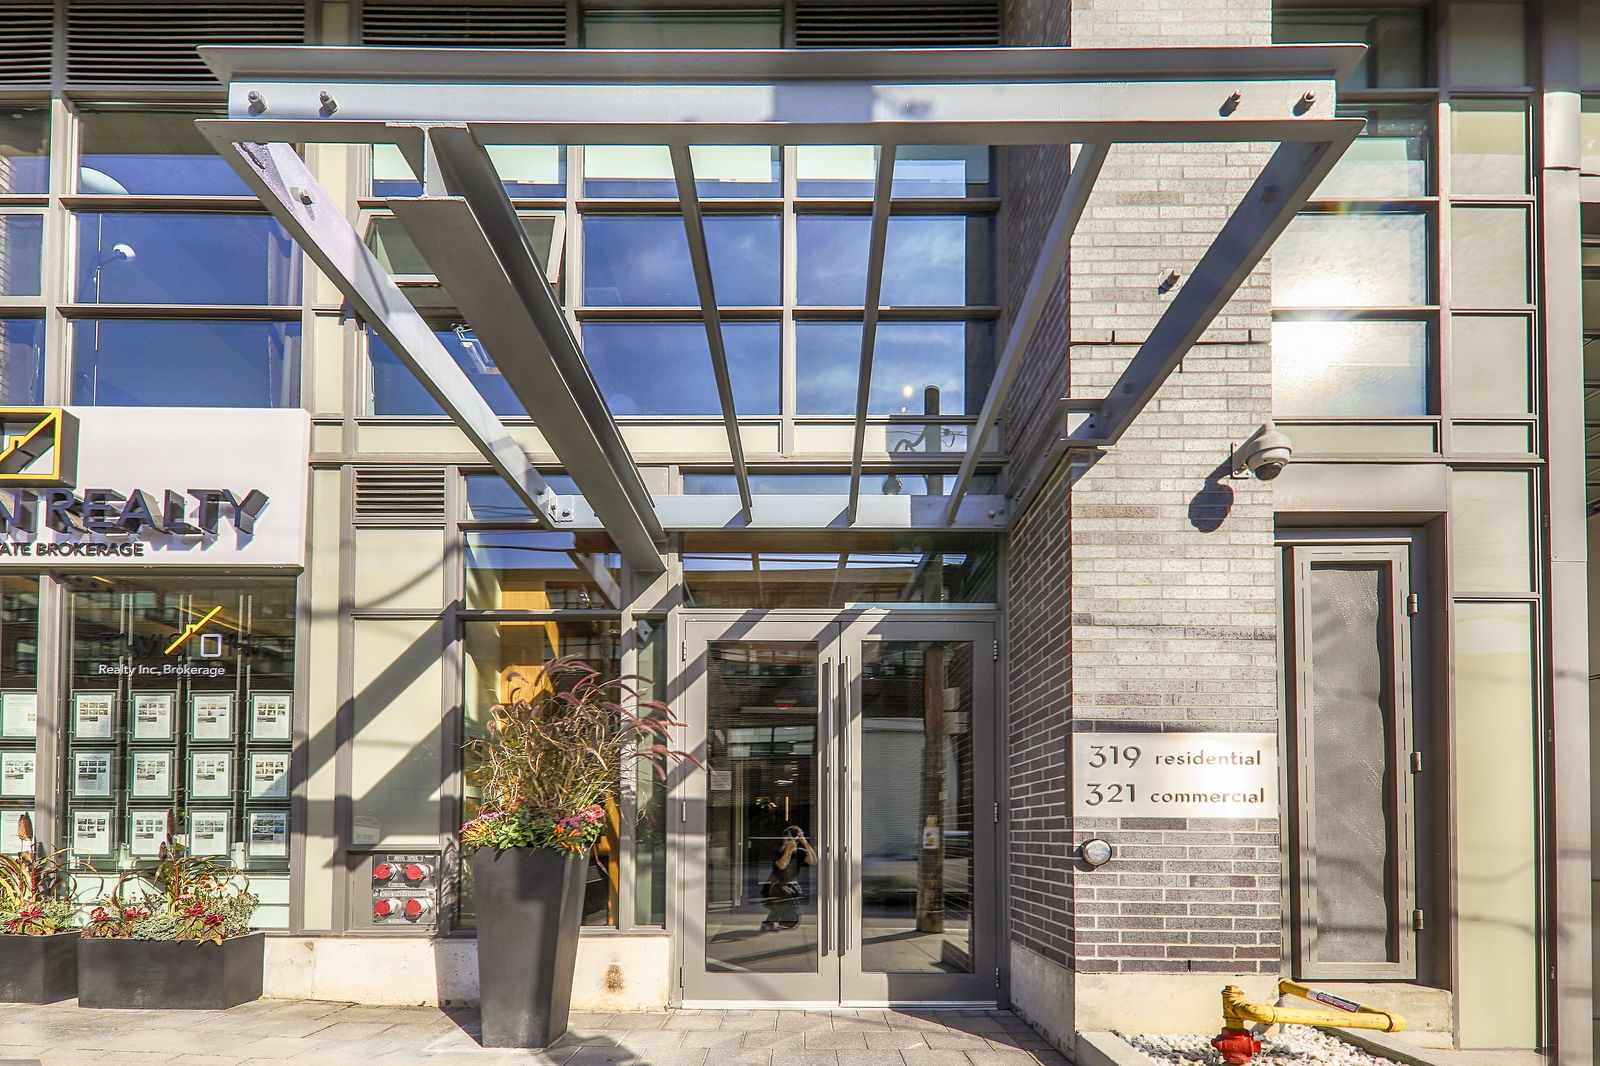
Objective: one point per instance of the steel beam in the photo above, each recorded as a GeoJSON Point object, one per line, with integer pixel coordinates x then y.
{"type": "Point", "coordinates": [1047, 271]}
{"type": "Point", "coordinates": [285, 185]}
{"type": "Point", "coordinates": [477, 248]}
{"type": "Point", "coordinates": [877, 241]}
{"type": "Point", "coordinates": [1279, 191]}
{"type": "Point", "coordinates": [694, 226]}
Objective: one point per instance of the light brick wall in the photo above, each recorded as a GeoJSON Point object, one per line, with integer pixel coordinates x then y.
{"type": "Point", "coordinates": [1143, 586]}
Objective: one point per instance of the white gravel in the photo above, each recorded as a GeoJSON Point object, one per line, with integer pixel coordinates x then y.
{"type": "Point", "coordinates": [1299, 1044]}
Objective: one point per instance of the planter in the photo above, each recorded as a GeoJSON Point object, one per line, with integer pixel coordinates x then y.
{"type": "Point", "coordinates": [167, 975]}
{"type": "Point", "coordinates": [38, 969]}
{"type": "Point", "coordinates": [530, 906]}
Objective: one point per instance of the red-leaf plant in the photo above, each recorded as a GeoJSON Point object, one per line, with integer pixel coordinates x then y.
{"type": "Point", "coordinates": [184, 897]}
{"type": "Point", "coordinates": [33, 898]}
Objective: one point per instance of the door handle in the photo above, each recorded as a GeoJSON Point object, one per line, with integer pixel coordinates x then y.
{"type": "Point", "coordinates": [824, 926]}
{"type": "Point", "coordinates": [845, 795]}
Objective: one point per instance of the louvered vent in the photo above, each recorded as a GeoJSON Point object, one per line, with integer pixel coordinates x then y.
{"type": "Point", "coordinates": [396, 494]}
{"type": "Point", "coordinates": [25, 42]}
{"type": "Point", "coordinates": [897, 25]}
{"type": "Point", "coordinates": [124, 42]}
{"type": "Point", "coordinates": [480, 25]}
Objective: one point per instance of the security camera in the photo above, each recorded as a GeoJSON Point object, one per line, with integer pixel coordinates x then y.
{"type": "Point", "coordinates": [1264, 454]}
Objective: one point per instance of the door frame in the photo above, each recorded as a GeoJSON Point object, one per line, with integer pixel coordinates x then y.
{"type": "Point", "coordinates": [838, 635]}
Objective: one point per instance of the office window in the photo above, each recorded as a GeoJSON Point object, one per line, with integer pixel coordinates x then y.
{"type": "Point", "coordinates": [1489, 256]}
{"type": "Point", "coordinates": [147, 152]}
{"type": "Point", "coordinates": [1350, 368]}
{"type": "Point", "coordinates": [928, 261]}
{"type": "Point", "coordinates": [1395, 38]}
{"type": "Point", "coordinates": [21, 361]}
{"type": "Point", "coordinates": [1364, 259]}
{"type": "Point", "coordinates": [664, 368]}
{"type": "Point", "coordinates": [719, 28]}
{"type": "Point", "coordinates": [185, 363]}
{"type": "Point", "coordinates": [24, 150]}
{"type": "Point", "coordinates": [1488, 147]}
{"type": "Point", "coordinates": [535, 171]}
{"type": "Point", "coordinates": [1389, 159]}
{"type": "Point", "coordinates": [918, 368]}
{"type": "Point", "coordinates": [185, 259]}
{"type": "Point", "coordinates": [1487, 45]}
{"type": "Point", "coordinates": [850, 170]}
{"type": "Point", "coordinates": [720, 170]}
{"type": "Point", "coordinates": [395, 390]}
{"type": "Point", "coordinates": [643, 260]}
{"type": "Point", "coordinates": [21, 245]}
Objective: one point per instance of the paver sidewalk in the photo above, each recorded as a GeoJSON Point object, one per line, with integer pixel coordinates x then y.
{"type": "Point", "coordinates": [274, 1032]}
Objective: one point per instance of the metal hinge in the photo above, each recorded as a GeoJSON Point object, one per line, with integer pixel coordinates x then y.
{"type": "Point", "coordinates": [997, 651]}
{"type": "Point", "coordinates": [1413, 604]}
{"type": "Point", "coordinates": [1416, 918]}
{"type": "Point", "coordinates": [680, 976]}
{"type": "Point", "coordinates": [997, 977]}
{"type": "Point", "coordinates": [683, 651]}
{"type": "Point", "coordinates": [1416, 762]}
{"type": "Point", "coordinates": [996, 812]}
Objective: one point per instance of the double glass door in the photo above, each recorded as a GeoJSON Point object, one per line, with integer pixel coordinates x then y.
{"type": "Point", "coordinates": [839, 845]}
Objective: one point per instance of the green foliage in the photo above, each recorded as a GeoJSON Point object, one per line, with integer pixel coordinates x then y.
{"type": "Point", "coordinates": [56, 915]}
{"type": "Point", "coordinates": [185, 897]}
{"type": "Point", "coordinates": [33, 900]}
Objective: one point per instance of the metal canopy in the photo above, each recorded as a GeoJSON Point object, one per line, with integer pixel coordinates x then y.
{"type": "Point", "coordinates": [442, 106]}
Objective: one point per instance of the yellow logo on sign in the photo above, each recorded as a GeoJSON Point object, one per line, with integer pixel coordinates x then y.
{"type": "Point", "coordinates": [40, 446]}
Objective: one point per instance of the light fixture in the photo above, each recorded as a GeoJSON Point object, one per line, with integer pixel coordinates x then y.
{"type": "Point", "coordinates": [1095, 852]}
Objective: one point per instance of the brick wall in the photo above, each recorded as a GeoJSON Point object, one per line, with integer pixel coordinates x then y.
{"type": "Point", "coordinates": [1143, 585]}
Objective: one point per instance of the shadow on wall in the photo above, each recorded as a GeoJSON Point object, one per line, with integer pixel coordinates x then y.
{"type": "Point", "coordinates": [1209, 507]}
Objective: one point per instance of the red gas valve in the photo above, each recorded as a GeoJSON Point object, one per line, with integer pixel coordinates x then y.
{"type": "Point", "coordinates": [1236, 1046]}
{"type": "Point", "coordinates": [383, 871]}
{"type": "Point", "coordinates": [415, 871]}
{"type": "Point", "coordinates": [415, 908]}
{"type": "Point", "coordinates": [384, 908]}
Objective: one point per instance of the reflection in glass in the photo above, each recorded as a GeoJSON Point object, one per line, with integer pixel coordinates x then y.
{"type": "Point", "coordinates": [21, 360]}
{"type": "Point", "coordinates": [917, 806]}
{"type": "Point", "coordinates": [1396, 56]}
{"type": "Point", "coordinates": [504, 661]}
{"type": "Point", "coordinates": [184, 363]}
{"type": "Point", "coordinates": [820, 571]}
{"type": "Point", "coordinates": [533, 171]}
{"type": "Point", "coordinates": [1491, 531]}
{"type": "Point", "coordinates": [664, 368]}
{"type": "Point", "coordinates": [21, 241]}
{"type": "Point", "coordinates": [1363, 259]}
{"type": "Point", "coordinates": [645, 170]}
{"type": "Point", "coordinates": [396, 390]}
{"type": "Point", "coordinates": [929, 261]}
{"type": "Point", "coordinates": [1488, 147]}
{"type": "Point", "coordinates": [643, 261]}
{"type": "Point", "coordinates": [1349, 368]}
{"type": "Point", "coordinates": [187, 259]}
{"type": "Point", "coordinates": [1488, 256]}
{"type": "Point", "coordinates": [764, 838]}
{"type": "Point", "coordinates": [540, 570]}
{"type": "Point", "coordinates": [1389, 158]}
{"type": "Point", "coordinates": [24, 150]}
{"type": "Point", "coordinates": [398, 253]}
{"type": "Point", "coordinates": [649, 788]}
{"type": "Point", "coordinates": [1489, 369]}
{"type": "Point", "coordinates": [490, 499]}
{"type": "Point", "coordinates": [917, 368]}
{"type": "Point", "coordinates": [919, 170]}
{"type": "Point", "coordinates": [152, 152]}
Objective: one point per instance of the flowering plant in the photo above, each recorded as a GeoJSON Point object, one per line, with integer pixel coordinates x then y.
{"type": "Point", "coordinates": [551, 757]}
{"type": "Point", "coordinates": [185, 897]}
{"type": "Point", "coordinates": [32, 882]}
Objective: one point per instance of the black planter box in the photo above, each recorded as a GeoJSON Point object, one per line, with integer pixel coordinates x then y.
{"type": "Point", "coordinates": [38, 969]}
{"type": "Point", "coordinates": [530, 905]}
{"type": "Point", "coordinates": [168, 975]}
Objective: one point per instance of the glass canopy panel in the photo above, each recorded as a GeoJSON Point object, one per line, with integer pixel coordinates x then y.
{"type": "Point", "coordinates": [186, 363]}
{"type": "Point", "coordinates": [395, 390]}
{"type": "Point", "coordinates": [21, 244]}
{"type": "Point", "coordinates": [918, 368]}
{"type": "Point", "coordinates": [1355, 259]}
{"type": "Point", "coordinates": [143, 152]}
{"type": "Point", "coordinates": [540, 570]}
{"type": "Point", "coordinates": [664, 368]}
{"type": "Point", "coordinates": [817, 570]}
{"type": "Point", "coordinates": [643, 261]}
{"type": "Point", "coordinates": [720, 171]}
{"type": "Point", "coordinates": [21, 360]}
{"type": "Point", "coordinates": [850, 170]}
{"type": "Point", "coordinates": [1350, 368]}
{"type": "Point", "coordinates": [1389, 159]}
{"type": "Point", "coordinates": [24, 150]}
{"type": "Point", "coordinates": [189, 259]}
{"type": "Point", "coordinates": [532, 171]}
{"type": "Point", "coordinates": [929, 261]}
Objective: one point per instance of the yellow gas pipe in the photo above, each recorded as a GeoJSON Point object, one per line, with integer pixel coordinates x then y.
{"type": "Point", "coordinates": [1237, 1044]}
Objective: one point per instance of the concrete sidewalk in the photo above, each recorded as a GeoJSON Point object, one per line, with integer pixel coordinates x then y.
{"type": "Point", "coordinates": [274, 1032]}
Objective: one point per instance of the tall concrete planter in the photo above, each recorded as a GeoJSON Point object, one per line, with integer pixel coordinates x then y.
{"type": "Point", "coordinates": [38, 969]}
{"type": "Point", "coordinates": [168, 974]}
{"type": "Point", "coordinates": [530, 908]}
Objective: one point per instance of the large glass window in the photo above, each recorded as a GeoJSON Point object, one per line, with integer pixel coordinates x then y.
{"type": "Point", "coordinates": [850, 170]}
{"type": "Point", "coordinates": [1350, 367]}
{"type": "Point", "coordinates": [664, 368]}
{"type": "Point", "coordinates": [395, 390]}
{"type": "Point", "coordinates": [928, 260]}
{"type": "Point", "coordinates": [21, 360]}
{"type": "Point", "coordinates": [526, 170]}
{"type": "Point", "coordinates": [643, 261]}
{"type": "Point", "coordinates": [146, 152]}
{"type": "Point", "coordinates": [1389, 159]}
{"type": "Point", "coordinates": [541, 570]}
{"type": "Point", "coordinates": [709, 28]}
{"type": "Point", "coordinates": [1365, 259]}
{"type": "Point", "coordinates": [1395, 37]}
{"type": "Point", "coordinates": [21, 238]}
{"type": "Point", "coordinates": [186, 259]}
{"type": "Point", "coordinates": [19, 705]}
{"type": "Point", "coordinates": [183, 363]}
{"type": "Point", "coordinates": [24, 150]}
{"type": "Point", "coordinates": [918, 368]}
{"type": "Point", "coordinates": [720, 170]}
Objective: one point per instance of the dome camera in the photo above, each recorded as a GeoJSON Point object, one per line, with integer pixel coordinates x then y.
{"type": "Point", "coordinates": [1264, 455]}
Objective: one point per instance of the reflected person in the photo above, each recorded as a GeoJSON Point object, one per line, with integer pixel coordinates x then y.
{"type": "Point", "coordinates": [782, 890]}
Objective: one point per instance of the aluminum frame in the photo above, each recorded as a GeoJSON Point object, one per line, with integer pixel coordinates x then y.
{"type": "Point", "coordinates": [441, 106]}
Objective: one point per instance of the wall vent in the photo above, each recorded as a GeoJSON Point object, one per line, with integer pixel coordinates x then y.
{"type": "Point", "coordinates": [925, 25]}
{"type": "Point", "coordinates": [477, 25]}
{"type": "Point", "coordinates": [396, 495]}
{"type": "Point", "coordinates": [122, 42]}
{"type": "Point", "coordinates": [25, 42]}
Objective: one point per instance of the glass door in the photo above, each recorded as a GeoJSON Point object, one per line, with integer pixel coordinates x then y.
{"type": "Point", "coordinates": [839, 845]}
